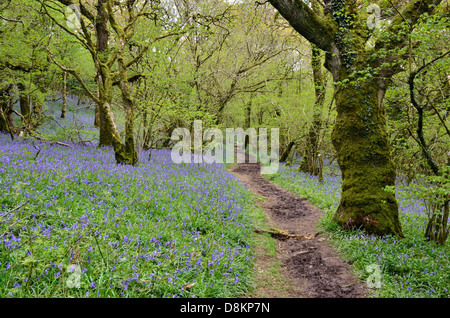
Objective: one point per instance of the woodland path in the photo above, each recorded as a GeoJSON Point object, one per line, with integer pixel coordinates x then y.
{"type": "Point", "coordinates": [310, 267]}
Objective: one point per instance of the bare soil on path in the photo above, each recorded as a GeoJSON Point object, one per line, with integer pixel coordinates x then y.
{"type": "Point", "coordinates": [311, 267]}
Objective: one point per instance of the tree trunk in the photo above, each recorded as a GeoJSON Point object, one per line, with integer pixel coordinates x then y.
{"type": "Point", "coordinates": [437, 229]}
{"type": "Point", "coordinates": [363, 153]}
{"type": "Point", "coordinates": [97, 109]}
{"type": "Point", "coordinates": [112, 134]}
{"type": "Point", "coordinates": [24, 101]}
{"type": "Point", "coordinates": [64, 96]}
{"type": "Point", "coordinates": [6, 122]}
{"type": "Point", "coordinates": [96, 115]}
{"type": "Point", "coordinates": [130, 154]}
{"type": "Point", "coordinates": [148, 127]}
{"type": "Point", "coordinates": [285, 155]}
{"type": "Point", "coordinates": [147, 141]}
{"type": "Point", "coordinates": [106, 124]}
{"type": "Point", "coordinates": [4, 126]}
{"type": "Point", "coordinates": [37, 108]}
{"type": "Point", "coordinates": [248, 113]}
{"type": "Point", "coordinates": [309, 163]}
{"type": "Point", "coordinates": [105, 135]}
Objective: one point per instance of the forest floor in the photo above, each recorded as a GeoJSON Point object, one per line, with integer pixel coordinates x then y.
{"type": "Point", "coordinates": [309, 267]}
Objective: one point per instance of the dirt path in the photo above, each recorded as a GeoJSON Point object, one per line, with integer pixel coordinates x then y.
{"type": "Point", "coordinates": [311, 267]}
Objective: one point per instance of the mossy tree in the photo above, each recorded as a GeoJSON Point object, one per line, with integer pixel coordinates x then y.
{"type": "Point", "coordinates": [362, 73]}
{"type": "Point", "coordinates": [25, 73]}
{"type": "Point", "coordinates": [6, 122]}
{"type": "Point", "coordinates": [310, 159]}
{"type": "Point", "coordinates": [106, 29]}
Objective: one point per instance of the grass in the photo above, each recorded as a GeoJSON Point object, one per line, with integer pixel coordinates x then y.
{"type": "Point", "coordinates": [410, 268]}
{"type": "Point", "coordinates": [155, 230]}
{"type": "Point", "coordinates": [268, 279]}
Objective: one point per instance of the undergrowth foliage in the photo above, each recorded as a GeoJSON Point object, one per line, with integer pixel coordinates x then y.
{"type": "Point", "coordinates": [154, 230]}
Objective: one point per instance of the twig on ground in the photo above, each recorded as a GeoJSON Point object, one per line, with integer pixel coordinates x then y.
{"type": "Point", "coordinates": [277, 232]}
{"type": "Point", "coordinates": [16, 208]}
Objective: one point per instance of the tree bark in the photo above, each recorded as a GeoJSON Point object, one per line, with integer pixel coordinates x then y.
{"type": "Point", "coordinates": [6, 122]}
{"type": "Point", "coordinates": [64, 96]}
{"type": "Point", "coordinates": [109, 134]}
{"type": "Point", "coordinates": [37, 107]}
{"type": "Point", "coordinates": [363, 153]}
{"type": "Point", "coordinates": [24, 101]}
{"type": "Point", "coordinates": [309, 163]}
{"type": "Point", "coordinates": [103, 79]}
{"type": "Point", "coordinates": [248, 113]}
{"type": "Point", "coordinates": [128, 153]}
{"type": "Point", "coordinates": [285, 155]}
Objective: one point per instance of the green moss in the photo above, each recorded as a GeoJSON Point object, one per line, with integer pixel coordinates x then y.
{"type": "Point", "coordinates": [360, 139]}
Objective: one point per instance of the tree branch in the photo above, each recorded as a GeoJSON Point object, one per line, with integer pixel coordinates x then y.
{"type": "Point", "coordinates": [306, 22]}
{"type": "Point", "coordinates": [84, 11]}
{"type": "Point", "coordinates": [74, 73]}
{"type": "Point", "coordinates": [85, 43]}
{"type": "Point", "coordinates": [410, 14]}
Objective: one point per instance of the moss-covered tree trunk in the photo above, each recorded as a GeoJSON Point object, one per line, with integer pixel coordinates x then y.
{"type": "Point", "coordinates": [106, 54]}
{"type": "Point", "coordinates": [64, 95]}
{"type": "Point", "coordinates": [105, 133]}
{"type": "Point", "coordinates": [128, 152]}
{"type": "Point", "coordinates": [96, 115]}
{"type": "Point", "coordinates": [106, 123]}
{"type": "Point", "coordinates": [286, 154]}
{"type": "Point", "coordinates": [24, 101]}
{"type": "Point", "coordinates": [248, 121]}
{"type": "Point", "coordinates": [128, 103]}
{"type": "Point", "coordinates": [37, 101]}
{"type": "Point", "coordinates": [363, 153]}
{"type": "Point", "coordinates": [4, 127]}
{"type": "Point", "coordinates": [6, 122]}
{"type": "Point", "coordinates": [109, 134]}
